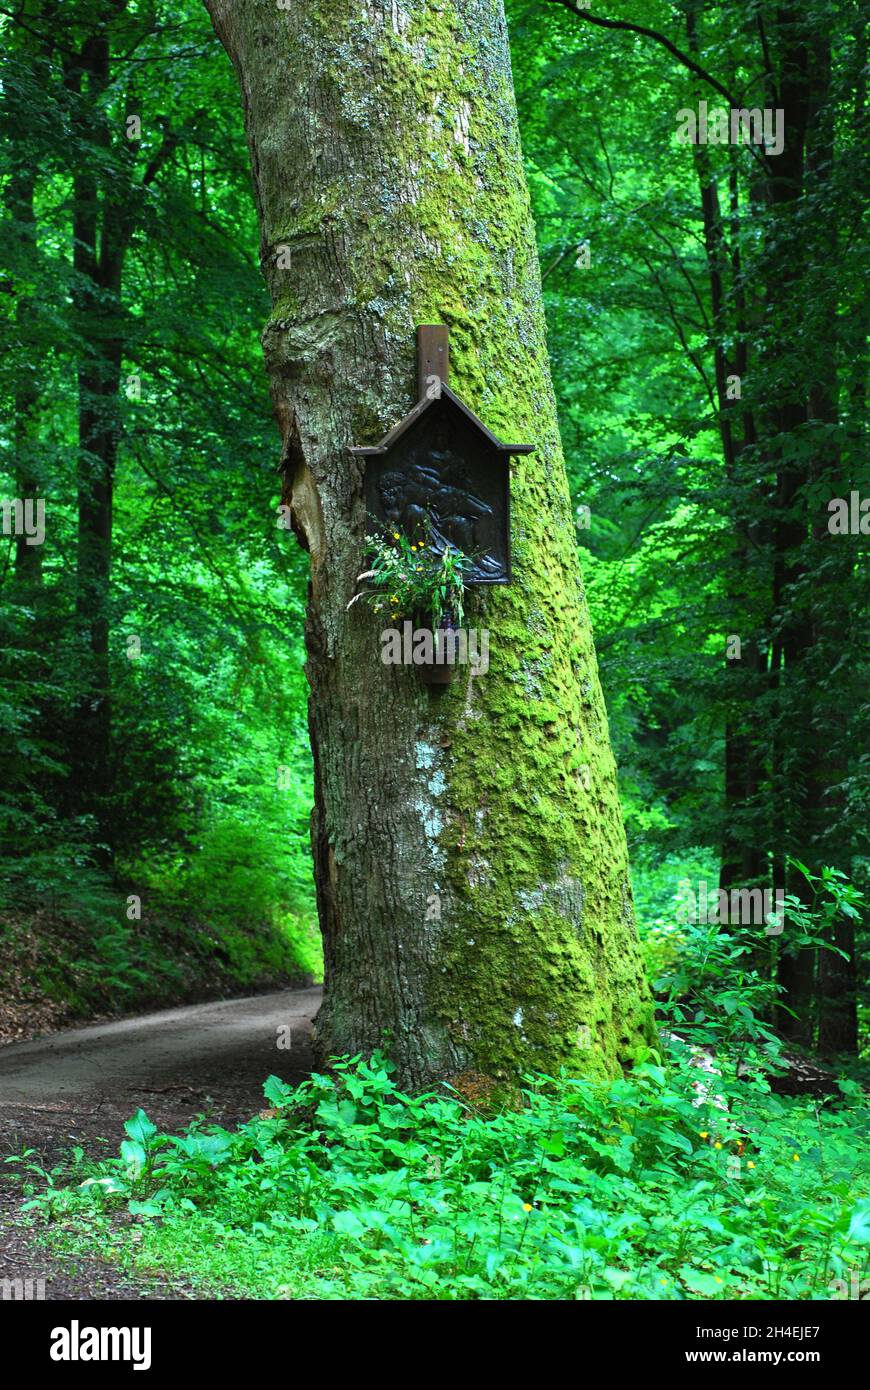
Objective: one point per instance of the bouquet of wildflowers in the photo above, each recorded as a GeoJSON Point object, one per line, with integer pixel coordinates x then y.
{"type": "Point", "coordinates": [406, 577]}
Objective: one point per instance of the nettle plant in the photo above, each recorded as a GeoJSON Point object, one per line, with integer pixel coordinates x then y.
{"type": "Point", "coordinates": [717, 984]}
{"type": "Point", "coordinates": [415, 578]}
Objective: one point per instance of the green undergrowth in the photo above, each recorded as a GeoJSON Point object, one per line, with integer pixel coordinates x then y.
{"type": "Point", "coordinates": [75, 943]}
{"type": "Point", "coordinates": [644, 1188]}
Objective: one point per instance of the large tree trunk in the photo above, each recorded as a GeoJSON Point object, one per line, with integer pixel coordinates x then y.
{"type": "Point", "coordinates": [802, 763]}
{"type": "Point", "coordinates": [469, 851]}
{"type": "Point", "coordinates": [837, 977]}
{"type": "Point", "coordinates": [98, 278]}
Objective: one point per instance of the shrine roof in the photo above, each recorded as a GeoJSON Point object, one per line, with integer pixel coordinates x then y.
{"type": "Point", "coordinates": [420, 409]}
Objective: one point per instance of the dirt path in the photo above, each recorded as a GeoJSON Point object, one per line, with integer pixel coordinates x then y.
{"type": "Point", "coordinates": [79, 1086]}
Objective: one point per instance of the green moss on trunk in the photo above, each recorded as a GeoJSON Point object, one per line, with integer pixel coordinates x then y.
{"type": "Point", "coordinates": [386, 156]}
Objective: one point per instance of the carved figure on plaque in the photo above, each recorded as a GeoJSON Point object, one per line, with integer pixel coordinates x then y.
{"type": "Point", "coordinates": [432, 498]}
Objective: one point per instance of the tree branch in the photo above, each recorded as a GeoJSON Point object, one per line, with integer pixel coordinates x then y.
{"type": "Point", "coordinates": [627, 27]}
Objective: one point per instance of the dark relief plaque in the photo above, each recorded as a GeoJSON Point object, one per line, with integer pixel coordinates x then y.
{"type": "Point", "coordinates": [441, 476]}
{"type": "Point", "coordinates": [439, 482]}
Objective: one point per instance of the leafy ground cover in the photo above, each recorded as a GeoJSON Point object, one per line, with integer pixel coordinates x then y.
{"type": "Point", "coordinates": [688, 1178]}
{"type": "Point", "coordinates": [345, 1187]}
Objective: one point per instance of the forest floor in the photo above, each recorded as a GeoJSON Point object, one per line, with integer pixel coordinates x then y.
{"type": "Point", "coordinates": [76, 1088]}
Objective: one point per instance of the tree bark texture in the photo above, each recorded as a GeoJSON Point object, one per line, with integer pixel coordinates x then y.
{"type": "Point", "coordinates": [469, 850]}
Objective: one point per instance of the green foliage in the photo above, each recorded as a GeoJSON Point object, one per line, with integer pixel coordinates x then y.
{"type": "Point", "coordinates": [697, 503]}
{"type": "Point", "coordinates": [232, 914]}
{"type": "Point", "coordinates": [64, 965]}
{"type": "Point", "coordinates": [208, 699]}
{"type": "Point", "coordinates": [633, 1190]}
{"type": "Point", "coordinates": [409, 576]}
{"type": "Point", "coordinates": [686, 1179]}
{"type": "Point", "coordinates": [717, 983]}
{"type": "Point", "coordinates": [682, 547]}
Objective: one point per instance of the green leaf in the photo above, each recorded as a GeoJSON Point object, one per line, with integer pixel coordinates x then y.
{"type": "Point", "coordinates": [677, 1140]}
{"type": "Point", "coordinates": [700, 1282]}
{"type": "Point", "coordinates": [140, 1128]}
{"type": "Point", "coordinates": [144, 1208]}
{"type": "Point", "coordinates": [348, 1223]}
{"type": "Point", "coordinates": [134, 1156]}
{"type": "Point", "coordinates": [859, 1226]}
{"type": "Point", "coordinates": [277, 1091]}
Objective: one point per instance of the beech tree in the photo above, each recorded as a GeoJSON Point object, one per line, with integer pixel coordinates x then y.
{"type": "Point", "coordinates": [469, 851]}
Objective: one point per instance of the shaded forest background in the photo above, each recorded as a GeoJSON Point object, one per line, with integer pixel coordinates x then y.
{"type": "Point", "coordinates": [156, 772]}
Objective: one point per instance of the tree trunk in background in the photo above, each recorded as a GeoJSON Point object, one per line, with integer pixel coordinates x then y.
{"type": "Point", "coordinates": [107, 207]}
{"type": "Point", "coordinates": [100, 235]}
{"type": "Point", "coordinates": [469, 850]}
{"type": "Point", "coordinates": [835, 566]}
{"type": "Point", "coordinates": [28, 558]}
{"type": "Point", "coordinates": [793, 754]}
{"type": "Point", "coordinates": [838, 1023]}
{"type": "Point", "coordinates": [814, 569]}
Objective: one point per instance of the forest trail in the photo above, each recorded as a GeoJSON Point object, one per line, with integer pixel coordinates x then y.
{"type": "Point", "coordinates": [223, 1050]}
{"type": "Point", "coordinates": [77, 1087]}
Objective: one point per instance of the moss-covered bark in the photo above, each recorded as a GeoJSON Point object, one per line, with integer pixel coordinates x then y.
{"type": "Point", "coordinates": [390, 186]}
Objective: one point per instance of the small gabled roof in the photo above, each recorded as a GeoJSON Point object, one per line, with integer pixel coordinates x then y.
{"type": "Point", "coordinates": [420, 409]}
